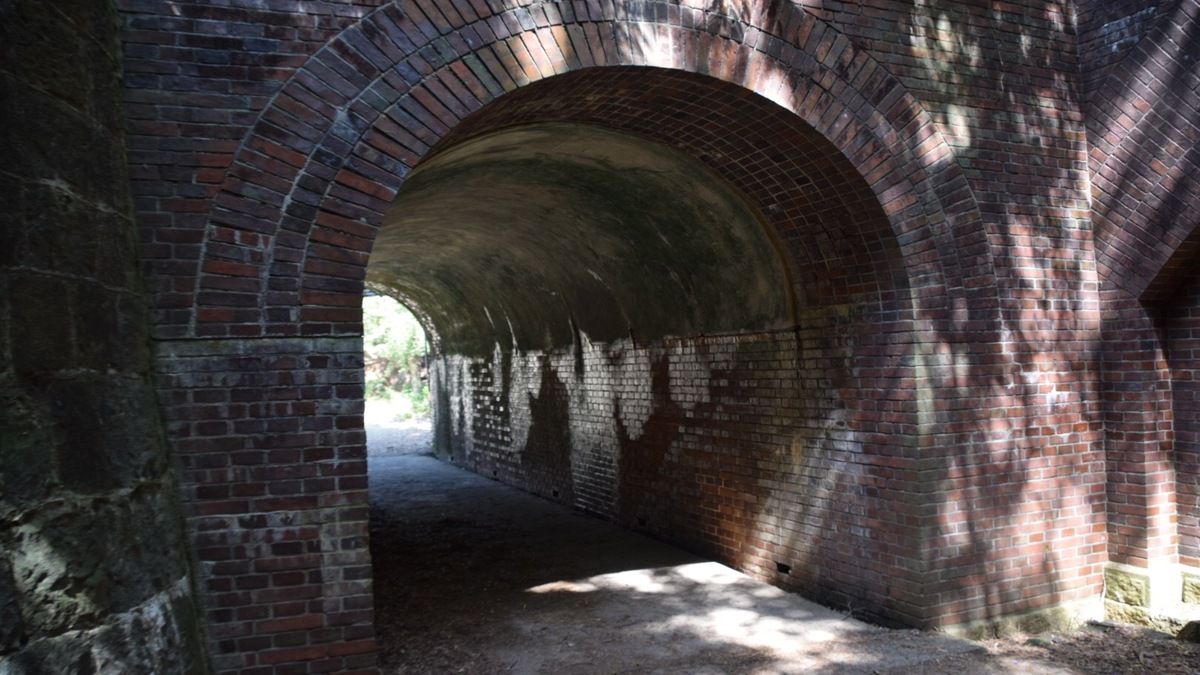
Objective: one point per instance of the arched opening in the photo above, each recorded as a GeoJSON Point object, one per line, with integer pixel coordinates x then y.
{"type": "Point", "coordinates": [539, 236]}
{"type": "Point", "coordinates": [901, 394]}
{"type": "Point", "coordinates": [689, 430]}
{"type": "Point", "coordinates": [396, 350]}
{"type": "Point", "coordinates": [681, 311]}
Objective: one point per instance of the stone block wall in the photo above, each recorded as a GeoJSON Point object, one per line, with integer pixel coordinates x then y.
{"type": "Point", "coordinates": [94, 564]}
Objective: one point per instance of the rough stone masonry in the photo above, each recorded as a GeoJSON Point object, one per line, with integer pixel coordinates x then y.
{"type": "Point", "coordinates": [94, 573]}
{"type": "Point", "coordinates": [893, 304]}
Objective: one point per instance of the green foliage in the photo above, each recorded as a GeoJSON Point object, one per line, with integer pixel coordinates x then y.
{"type": "Point", "coordinates": [394, 354]}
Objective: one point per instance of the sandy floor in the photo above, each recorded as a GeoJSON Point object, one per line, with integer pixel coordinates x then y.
{"type": "Point", "coordinates": [472, 576]}
{"type": "Point", "coordinates": [388, 436]}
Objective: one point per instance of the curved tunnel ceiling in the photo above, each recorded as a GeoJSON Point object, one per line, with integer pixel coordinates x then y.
{"type": "Point", "coordinates": [837, 242]}
{"type": "Point", "coordinates": [527, 235]}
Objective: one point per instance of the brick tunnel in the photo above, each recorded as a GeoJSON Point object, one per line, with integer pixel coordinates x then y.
{"type": "Point", "coordinates": [888, 304]}
{"type": "Point", "coordinates": [619, 326]}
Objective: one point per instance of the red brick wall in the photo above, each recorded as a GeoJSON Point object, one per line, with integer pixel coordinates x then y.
{"type": "Point", "coordinates": [272, 457]}
{"type": "Point", "coordinates": [1139, 435]}
{"type": "Point", "coordinates": [1142, 126]}
{"type": "Point", "coordinates": [1108, 30]}
{"type": "Point", "coordinates": [266, 144]}
{"type": "Point", "coordinates": [197, 76]}
{"type": "Point", "coordinates": [759, 450]}
{"type": "Point", "coordinates": [1182, 328]}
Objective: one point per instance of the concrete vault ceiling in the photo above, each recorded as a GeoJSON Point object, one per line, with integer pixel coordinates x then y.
{"type": "Point", "coordinates": [534, 235]}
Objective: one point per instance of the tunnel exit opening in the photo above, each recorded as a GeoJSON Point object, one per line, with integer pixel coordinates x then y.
{"type": "Point", "coordinates": [396, 351]}
{"type": "Point", "coordinates": [553, 261]}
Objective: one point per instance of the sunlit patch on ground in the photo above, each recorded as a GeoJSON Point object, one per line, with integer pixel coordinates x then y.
{"type": "Point", "coordinates": [473, 576]}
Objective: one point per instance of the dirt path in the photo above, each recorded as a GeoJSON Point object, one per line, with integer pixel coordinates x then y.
{"type": "Point", "coordinates": [472, 576]}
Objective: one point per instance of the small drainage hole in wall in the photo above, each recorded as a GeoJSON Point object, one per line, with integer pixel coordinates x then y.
{"type": "Point", "coordinates": [641, 522]}
{"type": "Point", "coordinates": [555, 493]}
{"type": "Point", "coordinates": [493, 472]}
{"type": "Point", "coordinates": [783, 568]}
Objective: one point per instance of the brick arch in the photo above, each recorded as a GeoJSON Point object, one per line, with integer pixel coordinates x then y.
{"type": "Point", "coordinates": [292, 226]}
{"type": "Point", "coordinates": [1143, 124]}
{"type": "Point", "coordinates": [1145, 165]}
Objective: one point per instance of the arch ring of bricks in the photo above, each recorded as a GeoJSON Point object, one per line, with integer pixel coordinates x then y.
{"type": "Point", "coordinates": [312, 180]}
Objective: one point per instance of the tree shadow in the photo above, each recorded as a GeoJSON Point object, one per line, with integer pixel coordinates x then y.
{"type": "Point", "coordinates": [484, 578]}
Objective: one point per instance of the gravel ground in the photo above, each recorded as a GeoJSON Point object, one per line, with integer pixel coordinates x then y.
{"type": "Point", "coordinates": [475, 577]}
{"type": "Point", "coordinates": [388, 436]}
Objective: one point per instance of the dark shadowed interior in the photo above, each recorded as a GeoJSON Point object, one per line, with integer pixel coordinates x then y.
{"type": "Point", "coordinates": [531, 236]}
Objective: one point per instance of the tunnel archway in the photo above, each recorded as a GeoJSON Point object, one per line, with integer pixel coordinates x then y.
{"type": "Point", "coordinates": [803, 268]}
{"type": "Point", "coordinates": [293, 225]}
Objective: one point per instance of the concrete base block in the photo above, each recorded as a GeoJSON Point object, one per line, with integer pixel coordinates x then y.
{"type": "Point", "coordinates": [1062, 617]}
{"type": "Point", "coordinates": [1155, 586]}
{"type": "Point", "coordinates": [1164, 597]}
{"type": "Point", "coordinates": [1191, 585]}
{"type": "Point", "coordinates": [1165, 619]}
{"type": "Point", "coordinates": [1127, 585]}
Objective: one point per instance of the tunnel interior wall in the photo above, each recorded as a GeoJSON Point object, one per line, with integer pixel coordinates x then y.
{"type": "Point", "coordinates": [778, 453]}
{"type": "Point", "coordinates": [94, 573]}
